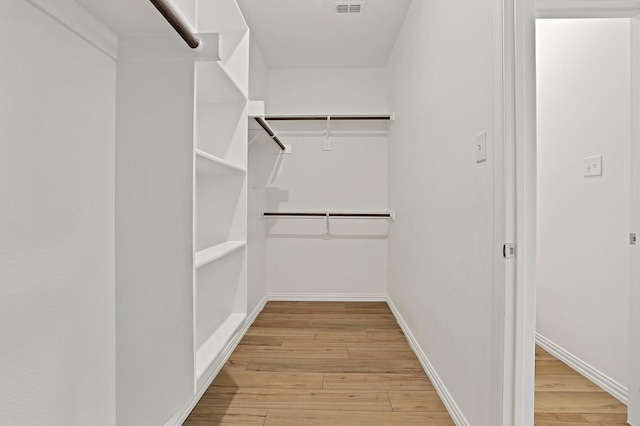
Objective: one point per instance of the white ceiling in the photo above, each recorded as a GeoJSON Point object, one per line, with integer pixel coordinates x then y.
{"type": "Point", "coordinates": [310, 34]}
{"type": "Point", "coordinates": [290, 33]}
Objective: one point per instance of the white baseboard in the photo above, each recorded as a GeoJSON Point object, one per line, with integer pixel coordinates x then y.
{"type": "Point", "coordinates": [442, 390]}
{"type": "Point", "coordinates": [215, 368]}
{"type": "Point", "coordinates": [328, 297]}
{"type": "Point", "coordinates": [609, 385]}
{"type": "Point", "coordinates": [252, 317]}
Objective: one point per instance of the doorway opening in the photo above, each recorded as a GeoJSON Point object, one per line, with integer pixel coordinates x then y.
{"type": "Point", "coordinates": [583, 210]}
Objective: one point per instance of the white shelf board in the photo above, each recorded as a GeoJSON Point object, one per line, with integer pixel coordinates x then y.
{"type": "Point", "coordinates": [210, 164]}
{"type": "Point", "coordinates": [213, 346]}
{"type": "Point", "coordinates": [215, 84]}
{"type": "Point", "coordinates": [216, 252]}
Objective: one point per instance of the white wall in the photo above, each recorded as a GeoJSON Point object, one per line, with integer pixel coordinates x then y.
{"type": "Point", "coordinates": [322, 90]}
{"type": "Point", "coordinates": [258, 72]}
{"type": "Point", "coordinates": [154, 239]}
{"type": "Point", "coordinates": [583, 73]}
{"type": "Point", "coordinates": [352, 176]}
{"type": "Point", "coordinates": [57, 121]}
{"type": "Point", "coordinates": [441, 249]}
{"type": "Point", "coordinates": [258, 154]}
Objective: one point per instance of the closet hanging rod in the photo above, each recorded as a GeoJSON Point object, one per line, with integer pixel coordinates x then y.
{"type": "Point", "coordinates": [329, 214]}
{"type": "Point", "coordinates": [177, 22]}
{"type": "Point", "coordinates": [269, 131]}
{"type": "Point", "coordinates": [337, 117]}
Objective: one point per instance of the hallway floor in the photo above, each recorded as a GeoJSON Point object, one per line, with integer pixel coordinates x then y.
{"type": "Point", "coordinates": [322, 363]}
{"type": "Point", "coordinates": [565, 398]}
{"type": "Point", "coordinates": [333, 363]}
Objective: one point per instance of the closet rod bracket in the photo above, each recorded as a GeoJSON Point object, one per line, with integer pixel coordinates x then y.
{"type": "Point", "coordinates": [327, 135]}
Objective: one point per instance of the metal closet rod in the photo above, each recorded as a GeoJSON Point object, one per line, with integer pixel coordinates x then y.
{"type": "Point", "coordinates": [177, 22]}
{"type": "Point", "coordinates": [327, 117]}
{"type": "Point", "coordinates": [269, 131]}
{"type": "Point", "coordinates": [330, 214]}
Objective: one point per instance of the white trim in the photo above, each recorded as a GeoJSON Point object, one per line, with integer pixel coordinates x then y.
{"type": "Point", "coordinates": [252, 317]}
{"type": "Point", "coordinates": [82, 23]}
{"type": "Point", "coordinates": [586, 8]}
{"type": "Point", "coordinates": [634, 253]}
{"type": "Point", "coordinates": [502, 357]}
{"type": "Point", "coordinates": [215, 368]}
{"type": "Point", "coordinates": [438, 384]}
{"type": "Point", "coordinates": [328, 297]}
{"type": "Point", "coordinates": [520, 306]}
{"type": "Point", "coordinates": [608, 384]}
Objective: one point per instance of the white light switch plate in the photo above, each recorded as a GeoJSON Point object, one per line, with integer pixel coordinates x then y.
{"type": "Point", "coordinates": [593, 166]}
{"type": "Point", "coordinates": [481, 147]}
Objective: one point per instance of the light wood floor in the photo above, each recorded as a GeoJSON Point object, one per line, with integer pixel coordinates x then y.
{"type": "Point", "coordinates": [317, 363]}
{"type": "Point", "coordinates": [565, 398]}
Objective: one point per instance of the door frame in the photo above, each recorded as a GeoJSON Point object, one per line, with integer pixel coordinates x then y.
{"type": "Point", "coordinates": [522, 298]}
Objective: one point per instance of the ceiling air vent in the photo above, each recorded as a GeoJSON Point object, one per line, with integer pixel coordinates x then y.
{"type": "Point", "coordinates": [349, 7]}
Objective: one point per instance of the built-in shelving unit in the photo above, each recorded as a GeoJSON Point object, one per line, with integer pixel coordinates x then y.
{"type": "Point", "coordinates": [181, 175]}
{"type": "Point", "coordinates": [220, 193]}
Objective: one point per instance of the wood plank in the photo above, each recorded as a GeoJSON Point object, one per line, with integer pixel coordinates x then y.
{"type": "Point", "coordinates": [385, 334]}
{"type": "Point", "coordinates": [280, 323]}
{"type": "Point", "coordinates": [308, 333]}
{"type": "Point", "coordinates": [209, 416]}
{"type": "Point", "coordinates": [402, 352]}
{"type": "Point", "coordinates": [229, 378]}
{"type": "Point", "coordinates": [346, 322]}
{"type": "Point", "coordinates": [606, 419]}
{"type": "Point", "coordinates": [324, 307]}
{"type": "Point", "coordinates": [297, 399]}
{"type": "Point", "coordinates": [327, 316]}
{"type": "Point", "coordinates": [293, 352]}
{"type": "Point", "coordinates": [554, 419]}
{"type": "Point", "coordinates": [302, 365]}
{"type": "Point", "coordinates": [280, 417]}
{"type": "Point", "coordinates": [237, 362]}
{"type": "Point", "coordinates": [262, 340]}
{"type": "Point", "coordinates": [565, 383]}
{"type": "Point", "coordinates": [553, 367]}
{"type": "Point", "coordinates": [368, 381]}
{"type": "Point", "coordinates": [543, 354]}
{"type": "Point", "coordinates": [578, 402]}
{"type": "Point", "coordinates": [416, 401]}
{"type": "Point", "coordinates": [345, 342]}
